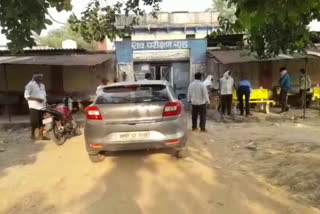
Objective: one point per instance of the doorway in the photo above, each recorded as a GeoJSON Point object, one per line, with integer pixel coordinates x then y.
{"type": "Point", "coordinates": [161, 72]}
{"type": "Point", "coordinates": [176, 73]}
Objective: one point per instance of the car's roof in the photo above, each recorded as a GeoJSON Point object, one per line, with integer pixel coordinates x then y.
{"type": "Point", "coordinates": [139, 82]}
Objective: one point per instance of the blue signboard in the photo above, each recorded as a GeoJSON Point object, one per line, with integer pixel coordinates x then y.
{"type": "Point", "coordinates": [160, 45]}
{"type": "Point", "coordinates": [198, 48]}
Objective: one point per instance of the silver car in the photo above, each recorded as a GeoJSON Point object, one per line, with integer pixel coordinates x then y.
{"type": "Point", "coordinates": [135, 116]}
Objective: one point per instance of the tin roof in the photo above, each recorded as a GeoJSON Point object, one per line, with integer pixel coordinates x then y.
{"type": "Point", "coordinates": [64, 60]}
{"type": "Point", "coordinates": [242, 56]}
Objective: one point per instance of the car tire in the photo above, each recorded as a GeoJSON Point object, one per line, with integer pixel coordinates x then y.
{"type": "Point", "coordinates": [181, 153]}
{"type": "Point", "coordinates": [96, 158]}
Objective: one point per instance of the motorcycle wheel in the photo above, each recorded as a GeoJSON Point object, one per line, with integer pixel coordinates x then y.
{"type": "Point", "coordinates": [58, 138]}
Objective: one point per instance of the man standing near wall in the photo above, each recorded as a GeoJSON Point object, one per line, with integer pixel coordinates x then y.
{"type": "Point", "coordinates": [226, 87]}
{"type": "Point", "coordinates": [199, 98]}
{"type": "Point", "coordinates": [35, 94]}
{"type": "Point", "coordinates": [305, 86]}
{"type": "Point", "coordinates": [285, 84]}
{"type": "Point", "coordinates": [104, 83]}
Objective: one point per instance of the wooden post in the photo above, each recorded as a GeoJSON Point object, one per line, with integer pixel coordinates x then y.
{"type": "Point", "coordinates": [6, 86]}
{"type": "Point", "coordinates": [305, 89]}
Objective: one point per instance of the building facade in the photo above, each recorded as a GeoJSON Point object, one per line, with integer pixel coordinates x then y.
{"type": "Point", "coordinates": [171, 47]}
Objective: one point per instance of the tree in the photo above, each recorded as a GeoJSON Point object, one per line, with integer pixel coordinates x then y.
{"type": "Point", "coordinates": [225, 12]}
{"type": "Point", "coordinates": [20, 19]}
{"type": "Point", "coordinates": [275, 26]}
{"type": "Point", "coordinates": [55, 37]}
{"type": "Point", "coordinates": [99, 21]}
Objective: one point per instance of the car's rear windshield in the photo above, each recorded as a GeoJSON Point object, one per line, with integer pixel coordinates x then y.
{"type": "Point", "coordinates": [133, 94]}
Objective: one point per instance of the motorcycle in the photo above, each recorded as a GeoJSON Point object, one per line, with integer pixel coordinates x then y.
{"type": "Point", "coordinates": [59, 124]}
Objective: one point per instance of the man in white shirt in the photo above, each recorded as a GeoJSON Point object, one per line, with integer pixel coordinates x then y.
{"type": "Point", "coordinates": [35, 94]}
{"type": "Point", "coordinates": [226, 88]}
{"type": "Point", "coordinates": [199, 98]}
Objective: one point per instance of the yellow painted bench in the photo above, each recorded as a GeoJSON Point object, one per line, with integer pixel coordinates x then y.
{"type": "Point", "coordinates": [260, 97]}
{"type": "Point", "coordinates": [316, 93]}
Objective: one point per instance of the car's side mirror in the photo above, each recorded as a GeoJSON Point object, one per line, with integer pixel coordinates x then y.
{"type": "Point", "coordinates": [182, 96]}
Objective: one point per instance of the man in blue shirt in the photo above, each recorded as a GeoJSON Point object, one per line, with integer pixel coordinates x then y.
{"type": "Point", "coordinates": [285, 84]}
{"type": "Point", "coordinates": [244, 89]}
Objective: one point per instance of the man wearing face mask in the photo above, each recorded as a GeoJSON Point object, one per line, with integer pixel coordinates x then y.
{"type": "Point", "coordinates": [35, 94]}
{"type": "Point", "coordinates": [226, 87]}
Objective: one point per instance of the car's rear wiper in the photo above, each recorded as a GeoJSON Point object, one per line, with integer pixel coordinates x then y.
{"type": "Point", "coordinates": [153, 99]}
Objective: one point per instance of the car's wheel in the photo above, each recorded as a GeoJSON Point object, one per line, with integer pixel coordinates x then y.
{"type": "Point", "coordinates": [96, 158]}
{"type": "Point", "coordinates": [181, 153]}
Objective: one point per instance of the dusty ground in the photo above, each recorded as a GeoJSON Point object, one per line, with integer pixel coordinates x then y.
{"type": "Point", "coordinates": [263, 168]}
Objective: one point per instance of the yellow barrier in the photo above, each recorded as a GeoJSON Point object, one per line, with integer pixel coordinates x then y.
{"type": "Point", "coordinates": [256, 94]}
{"type": "Point", "coordinates": [316, 93]}
{"type": "Point", "coordinates": [259, 96]}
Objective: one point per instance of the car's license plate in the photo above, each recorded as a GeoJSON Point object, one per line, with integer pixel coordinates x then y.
{"type": "Point", "coordinates": [128, 136]}
{"type": "Point", "coordinates": [47, 120]}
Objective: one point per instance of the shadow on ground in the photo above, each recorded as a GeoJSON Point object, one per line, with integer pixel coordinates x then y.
{"type": "Point", "coordinates": [19, 149]}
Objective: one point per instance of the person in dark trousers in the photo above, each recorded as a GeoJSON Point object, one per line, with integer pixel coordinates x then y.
{"type": "Point", "coordinates": [199, 98]}
{"type": "Point", "coordinates": [285, 85]}
{"type": "Point", "coordinates": [226, 88]}
{"type": "Point", "coordinates": [35, 94]}
{"type": "Point", "coordinates": [244, 89]}
{"type": "Point", "coordinates": [305, 87]}
{"type": "Point", "coordinates": [148, 76]}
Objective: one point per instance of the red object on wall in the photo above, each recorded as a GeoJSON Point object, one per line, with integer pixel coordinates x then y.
{"type": "Point", "coordinates": [102, 46]}
{"type": "Point", "coordinates": [265, 75]}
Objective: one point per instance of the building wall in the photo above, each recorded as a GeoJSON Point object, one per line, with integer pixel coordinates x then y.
{"type": "Point", "coordinates": [313, 67]}
{"type": "Point", "coordinates": [77, 79]}
{"type": "Point", "coordinates": [169, 26]}
{"type": "Point", "coordinates": [174, 18]}
{"type": "Point", "coordinates": [86, 79]}
{"type": "Point", "coordinates": [19, 75]}
{"type": "Point", "coordinates": [2, 80]}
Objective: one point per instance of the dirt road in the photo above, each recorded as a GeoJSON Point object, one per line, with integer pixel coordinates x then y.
{"type": "Point", "coordinates": [235, 168]}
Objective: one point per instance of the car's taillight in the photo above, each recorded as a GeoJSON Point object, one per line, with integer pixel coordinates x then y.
{"type": "Point", "coordinates": [93, 113]}
{"type": "Point", "coordinates": [172, 109]}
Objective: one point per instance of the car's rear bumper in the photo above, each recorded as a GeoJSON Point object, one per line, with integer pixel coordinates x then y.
{"type": "Point", "coordinates": [142, 145]}
{"type": "Point", "coordinates": [169, 131]}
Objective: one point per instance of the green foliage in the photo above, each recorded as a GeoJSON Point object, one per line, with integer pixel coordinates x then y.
{"type": "Point", "coordinates": [226, 12]}
{"type": "Point", "coordinates": [275, 26]}
{"type": "Point", "coordinates": [99, 21]}
{"type": "Point", "coordinates": [54, 38]}
{"type": "Point", "coordinates": [20, 19]}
